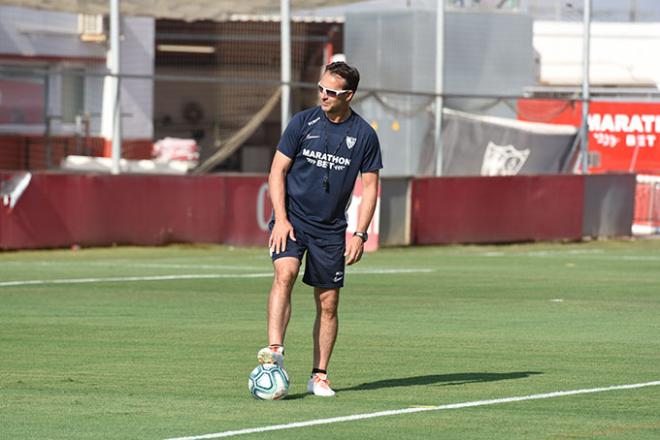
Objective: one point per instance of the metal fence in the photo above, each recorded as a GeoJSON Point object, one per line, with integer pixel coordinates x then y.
{"type": "Point", "coordinates": [217, 83]}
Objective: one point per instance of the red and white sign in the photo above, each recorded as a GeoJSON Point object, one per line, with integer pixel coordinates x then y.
{"type": "Point", "coordinates": [624, 135]}
{"type": "Point", "coordinates": [647, 205]}
{"type": "Point", "coordinates": [352, 214]}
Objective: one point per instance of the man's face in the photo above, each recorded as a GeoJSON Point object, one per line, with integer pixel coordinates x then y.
{"type": "Point", "coordinates": [332, 102]}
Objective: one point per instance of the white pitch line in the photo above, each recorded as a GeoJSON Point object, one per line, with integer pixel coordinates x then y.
{"type": "Point", "coordinates": [415, 410]}
{"type": "Point", "coordinates": [123, 279]}
{"type": "Point", "coordinates": [126, 263]}
{"type": "Point", "coordinates": [184, 277]}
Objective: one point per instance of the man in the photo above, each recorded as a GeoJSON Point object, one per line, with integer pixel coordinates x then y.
{"type": "Point", "coordinates": [311, 181]}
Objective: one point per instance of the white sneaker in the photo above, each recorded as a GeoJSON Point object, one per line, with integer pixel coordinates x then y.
{"type": "Point", "coordinates": [271, 355]}
{"type": "Point", "coordinates": [319, 385]}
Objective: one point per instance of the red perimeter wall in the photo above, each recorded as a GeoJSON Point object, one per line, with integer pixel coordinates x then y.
{"type": "Point", "coordinates": [61, 210]}
{"type": "Point", "coordinates": [497, 209]}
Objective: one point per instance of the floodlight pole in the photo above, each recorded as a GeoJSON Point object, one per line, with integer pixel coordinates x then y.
{"type": "Point", "coordinates": [584, 129]}
{"type": "Point", "coordinates": [285, 48]}
{"type": "Point", "coordinates": [113, 65]}
{"type": "Point", "coordinates": [439, 82]}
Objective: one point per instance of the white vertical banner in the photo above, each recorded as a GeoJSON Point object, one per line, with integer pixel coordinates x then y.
{"type": "Point", "coordinates": [439, 82]}
{"type": "Point", "coordinates": [586, 40]}
{"type": "Point", "coordinates": [111, 116]}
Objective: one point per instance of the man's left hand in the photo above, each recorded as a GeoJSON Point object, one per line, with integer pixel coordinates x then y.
{"type": "Point", "coordinates": [354, 249]}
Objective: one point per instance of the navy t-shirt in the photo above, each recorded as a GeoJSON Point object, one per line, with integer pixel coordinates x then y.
{"type": "Point", "coordinates": [324, 151]}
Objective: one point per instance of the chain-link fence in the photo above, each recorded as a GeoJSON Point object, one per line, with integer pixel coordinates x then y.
{"type": "Point", "coordinates": [203, 81]}
{"type": "Point", "coordinates": [211, 88]}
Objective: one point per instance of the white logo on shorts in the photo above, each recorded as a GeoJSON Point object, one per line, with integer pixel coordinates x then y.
{"type": "Point", "coordinates": [338, 276]}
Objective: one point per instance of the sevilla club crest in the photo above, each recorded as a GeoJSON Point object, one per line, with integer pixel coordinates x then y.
{"type": "Point", "coordinates": [503, 160]}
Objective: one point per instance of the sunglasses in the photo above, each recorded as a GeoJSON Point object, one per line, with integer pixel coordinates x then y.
{"type": "Point", "coordinates": [331, 92]}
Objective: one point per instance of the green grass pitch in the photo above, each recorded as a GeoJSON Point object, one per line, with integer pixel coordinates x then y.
{"type": "Point", "coordinates": [117, 356]}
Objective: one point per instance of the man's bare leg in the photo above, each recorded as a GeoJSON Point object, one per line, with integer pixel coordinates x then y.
{"type": "Point", "coordinates": [325, 326]}
{"type": "Point", "coordinates": [325, 334]}
{"type": "Point", "coordinates": [279, 301]}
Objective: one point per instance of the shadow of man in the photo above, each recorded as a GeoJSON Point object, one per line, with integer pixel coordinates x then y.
{"type": "Point", "coordinates": [433, 379]}
{"type": "Point", "coordinates": [441, 379]}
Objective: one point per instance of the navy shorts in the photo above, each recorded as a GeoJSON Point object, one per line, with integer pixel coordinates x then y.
{"type": "Point", "coordinates": [324, 259]}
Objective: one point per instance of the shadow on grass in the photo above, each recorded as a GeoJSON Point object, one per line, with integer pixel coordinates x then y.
{"type": "Point", "coordinates": [440, 379]}
{"type": "Point", "coordinates": [432, 379]}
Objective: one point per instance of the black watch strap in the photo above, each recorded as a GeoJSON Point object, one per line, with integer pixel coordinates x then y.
{"type": "Point", "coordinates": [363, 235]}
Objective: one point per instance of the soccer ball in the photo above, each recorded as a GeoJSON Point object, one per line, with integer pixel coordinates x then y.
{"type": "Point", "coordinates": [268, 382]}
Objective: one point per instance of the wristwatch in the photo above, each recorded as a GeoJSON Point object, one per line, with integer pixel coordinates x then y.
{"type": "Point", "coordinates": [363, 235]}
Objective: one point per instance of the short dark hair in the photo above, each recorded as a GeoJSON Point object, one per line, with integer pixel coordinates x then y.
{"type": "Point", "coordinates": [350, 74]}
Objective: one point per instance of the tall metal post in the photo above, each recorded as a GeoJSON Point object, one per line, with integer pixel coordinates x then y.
{"type": "Point", "coordinates": [439, 82]}
{"type": "Point", "coordinates": [285, 48]}
{"type": "Point", "coordinates": [584, 150]}
{"type": "Point", "coordinates": [113, 64]}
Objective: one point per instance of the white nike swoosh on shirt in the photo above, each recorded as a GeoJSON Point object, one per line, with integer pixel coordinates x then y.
{"type": "Point", "coordinates": [309, 136]}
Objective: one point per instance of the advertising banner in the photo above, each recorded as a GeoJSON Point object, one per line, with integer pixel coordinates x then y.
{"type": "Point", "coordinates": [623, 136]}
{"type": "Point", "coordinates": [490, 146]}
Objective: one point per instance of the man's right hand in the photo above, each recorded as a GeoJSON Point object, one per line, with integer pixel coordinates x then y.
{"type": "Point", "coordinates": [282, 230]}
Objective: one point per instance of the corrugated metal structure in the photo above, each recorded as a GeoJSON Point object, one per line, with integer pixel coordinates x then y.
{"type": "Point", "coordinates": [485, 54]}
